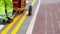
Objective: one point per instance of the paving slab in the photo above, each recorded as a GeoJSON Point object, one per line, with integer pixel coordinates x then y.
{"type": "Point", "coordinates": [48, 19]}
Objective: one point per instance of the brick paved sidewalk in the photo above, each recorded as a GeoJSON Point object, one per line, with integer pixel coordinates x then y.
{"type": "Point", "coordinates": [48, 19]}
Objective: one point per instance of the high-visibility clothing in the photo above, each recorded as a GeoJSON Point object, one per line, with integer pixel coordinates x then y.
{"type": "Point", "coordinates": [8, 5]}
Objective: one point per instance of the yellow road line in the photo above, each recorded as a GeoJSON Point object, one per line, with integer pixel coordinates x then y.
{"type": "Point", "coordinates": [19, 23]}
{"type": "Point", "coordinates": [10, 25]}
{"type": "Point", "coordinates": [33, 2]}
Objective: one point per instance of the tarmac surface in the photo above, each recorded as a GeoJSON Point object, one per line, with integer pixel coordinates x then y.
{"type": "Point", "coordinates": [8, 29]}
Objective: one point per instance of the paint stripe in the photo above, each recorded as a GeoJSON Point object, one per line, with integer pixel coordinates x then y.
{"type": "Point", "coordinates": [30, 29]}
{"type": "Point", "coordinates": [10, 25]}
{"type": "Point", "coordinates": [33, 2]}
{"type": "Point", "coordinates": [1, 26]}
{"type": "Point", "coordinates": [19, 23]}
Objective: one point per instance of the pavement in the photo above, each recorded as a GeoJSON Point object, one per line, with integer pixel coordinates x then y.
{"type": "Point", "coordinates": [48, 18]}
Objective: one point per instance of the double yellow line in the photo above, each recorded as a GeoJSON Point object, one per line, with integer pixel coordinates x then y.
{"type": "Point", "coordinates": [10, 25]}
{"type": "Point", "coordinates": [19, 23]}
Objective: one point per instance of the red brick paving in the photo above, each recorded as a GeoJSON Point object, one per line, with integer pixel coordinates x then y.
{"type": "Point", "coordinates": [48, 20]}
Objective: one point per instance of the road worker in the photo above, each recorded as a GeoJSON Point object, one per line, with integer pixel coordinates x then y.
{"type": "Point", "coordinates": [6, 9]}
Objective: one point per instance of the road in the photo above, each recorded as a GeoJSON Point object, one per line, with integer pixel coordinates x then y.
{"type": "Point", "coordinates": [8, 29]}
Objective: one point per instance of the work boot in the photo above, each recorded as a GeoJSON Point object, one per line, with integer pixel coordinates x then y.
{"type": "Point", "coordinates": [1, 21]}
{"type": "Point", "coordinates": [9, 20]}
{"type": "Point", "coordinates": [5, 21]}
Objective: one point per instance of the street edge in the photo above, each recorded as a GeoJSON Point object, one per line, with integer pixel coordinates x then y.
{"type": "Point", "coordinates": [30, 28]}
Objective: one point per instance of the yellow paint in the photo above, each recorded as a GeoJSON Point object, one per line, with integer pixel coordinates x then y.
{"type": "Point", "coordinates": [19, 23]}
{"type": "Point", "coordinates": [10, 25]}
{"type": "Point", "coordinates": [33, 2]}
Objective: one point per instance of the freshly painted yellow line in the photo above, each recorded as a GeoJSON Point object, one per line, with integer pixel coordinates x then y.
{"type": "Point", "coordinates": [33, 2]}
{"type": "Point", "coordinates": [10, 25]}
{"type": "Point", "coordinates": [19, 23]}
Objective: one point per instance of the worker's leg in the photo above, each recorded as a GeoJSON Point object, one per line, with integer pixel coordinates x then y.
{"type": "Point", "coordinates": [9, 7]}
{"type": "Point", "coordinates": [2, 10]}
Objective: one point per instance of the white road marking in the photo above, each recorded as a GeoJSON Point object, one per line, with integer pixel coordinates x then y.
{"type": "Point", "coordinates": [1, 26]}
{"type": "Point", "coordinates": [30, 29]}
